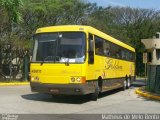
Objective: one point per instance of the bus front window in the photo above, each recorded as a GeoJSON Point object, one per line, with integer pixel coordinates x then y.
{"type": "Point", "coordinates": [59, 47]}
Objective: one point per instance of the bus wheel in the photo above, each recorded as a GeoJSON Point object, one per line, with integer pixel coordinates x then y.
{"type": "Point", "coordinates": [94, 96]}
{"type": "Point", "coordinates": [128, 82]}
{"type": "Point", "coordinates": [124, 84]}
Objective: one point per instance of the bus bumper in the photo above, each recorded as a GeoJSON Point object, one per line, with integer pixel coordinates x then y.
{"type": "Point", "coordinates": [62, 89]}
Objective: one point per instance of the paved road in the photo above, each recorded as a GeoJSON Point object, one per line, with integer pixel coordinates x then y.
{"type": "Point", "coordinates": [20, 100]}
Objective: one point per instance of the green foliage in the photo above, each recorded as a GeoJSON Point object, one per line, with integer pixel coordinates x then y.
{"type": "Point", "coordinates": [128, 25]}
{"type": "Point", "coordinates": [20, 19]}
{"type": "Point", "coordinates": [12, 8]}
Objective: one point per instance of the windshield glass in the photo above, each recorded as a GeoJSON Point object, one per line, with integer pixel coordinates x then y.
{"type": "Point", "coordinates": [59, 47]}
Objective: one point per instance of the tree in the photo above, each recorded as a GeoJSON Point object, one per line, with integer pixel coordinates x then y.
{"type": "Point", "coordinates": [12, 7]}
{"type": "Point", "coordinates": [20, 19]}
{"type": "Point", "coordinates": [128, 25]}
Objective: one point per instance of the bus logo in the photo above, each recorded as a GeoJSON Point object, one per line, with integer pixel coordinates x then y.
{"type": "Point", "coordinates": [112, 64]}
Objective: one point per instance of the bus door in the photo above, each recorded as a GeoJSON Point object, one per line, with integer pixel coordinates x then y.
{"type": "Point", "coordinates": [90, 70]}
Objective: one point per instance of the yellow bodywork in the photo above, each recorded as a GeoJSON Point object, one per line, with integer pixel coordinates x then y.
{"type": "Point", "coordinates": [55, 73]}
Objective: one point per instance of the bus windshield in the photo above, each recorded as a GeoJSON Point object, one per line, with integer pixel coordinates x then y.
{"type": "Point", "coordinates": [59, 47]}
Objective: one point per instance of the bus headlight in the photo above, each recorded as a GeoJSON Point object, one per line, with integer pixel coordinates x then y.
{"type": "Point", "coordinates": [37, 78]}
{"type": "Point", "coordinates": [32, 78]}
{"type": "Point", "coordinates": [72, 79]}
{"type": "Point", "coordinates": [78, 80]}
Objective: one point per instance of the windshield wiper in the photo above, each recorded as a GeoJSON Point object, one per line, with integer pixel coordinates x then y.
{"type": "Point", "coordinates": [46, 58]}
{"type": "Point", "coordinates": [42, 62]}
{"type": "Point", "coordinates": [67, 62]}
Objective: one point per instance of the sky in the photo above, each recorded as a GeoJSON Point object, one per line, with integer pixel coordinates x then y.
{"type": "Point", "coordinates": [146, 4]}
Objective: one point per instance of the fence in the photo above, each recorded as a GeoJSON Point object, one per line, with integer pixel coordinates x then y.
{"type": "Point", "coordinates": [153, 78]}
{"type": "Point", "coordinates": [14, 63]}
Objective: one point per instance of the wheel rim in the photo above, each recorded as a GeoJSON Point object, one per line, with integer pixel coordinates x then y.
{"type": "Point", "coordinates": [125, 83]}
{"type": "Point", "coordinates": [95, 94]}
{"type": "Point", "coordinates": [129, 82]}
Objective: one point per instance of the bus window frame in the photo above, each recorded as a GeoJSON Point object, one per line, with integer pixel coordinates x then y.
{"type": "Point", "coordinates": [85, 49]}
{"type": "Point", "coordinates": [120, 47]}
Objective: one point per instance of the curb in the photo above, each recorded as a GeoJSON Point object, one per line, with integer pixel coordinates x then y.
{"type": "Point", "coordinates": [14, 84]}
{"type": "Point", "coordinates": [147, 94]}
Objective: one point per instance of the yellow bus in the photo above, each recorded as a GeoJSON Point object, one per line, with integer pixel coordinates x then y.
{"type": "Point", "coordinates": [79, 60]}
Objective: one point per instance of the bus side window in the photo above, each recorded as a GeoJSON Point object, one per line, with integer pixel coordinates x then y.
{"type": "Point", "coordinates": [106, 47]}
{"type": "Point", "coordinates": [123, 54]}
{"type": "Point", "coordinates": [91, 49]}
{"type": "Point", "coordinates": [99, 46]}
{"type": "Point", "coordinates": [117, 51]}
{"type": "Point", "coordinates": [113, 50]}
{"type": "Point", "coordinates": [132, 56]}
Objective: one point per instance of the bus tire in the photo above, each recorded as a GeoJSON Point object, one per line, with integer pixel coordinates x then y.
{"type": "Point", "coordinates": [100, 84]}
{"type": "Point", "coordinates": [128, 82]}
{"type": "Point", "coordinates": [124, 85]}
{"type": "Point", "coordinates": [94, 96]}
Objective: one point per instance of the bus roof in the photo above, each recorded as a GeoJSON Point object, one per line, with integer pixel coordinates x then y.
{"type": "Point", "coordinates": [89, 29]}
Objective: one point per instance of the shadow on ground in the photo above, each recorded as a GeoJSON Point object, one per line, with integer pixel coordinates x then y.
{"type": "Point", "coordinates": [57, 98]}
{"type": "Point", "coordinates": [69, 99]}
{"type": "Point", "coordinates": [75, 99]}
